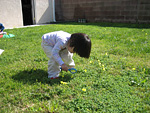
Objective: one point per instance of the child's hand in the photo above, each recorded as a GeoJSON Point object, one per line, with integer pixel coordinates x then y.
{"type": "Point", "coordinates": [64, 67]}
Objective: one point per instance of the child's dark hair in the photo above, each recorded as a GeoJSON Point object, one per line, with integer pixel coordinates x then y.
{"type": "Point", "coordinates": [81, 43]}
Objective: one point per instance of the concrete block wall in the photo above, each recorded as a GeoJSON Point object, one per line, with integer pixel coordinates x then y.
{"type": "Point", "coordinates": [124, 11]}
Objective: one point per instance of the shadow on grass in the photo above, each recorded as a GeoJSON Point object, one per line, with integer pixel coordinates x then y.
{"type": "Point", "coordinates": [33, 76]}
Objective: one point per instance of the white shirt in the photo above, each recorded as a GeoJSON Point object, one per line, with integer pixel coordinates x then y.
{"type": "Point", "coordinates": [57, 40]}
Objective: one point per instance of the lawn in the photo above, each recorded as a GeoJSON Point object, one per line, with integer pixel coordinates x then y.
{"type": "Point", "coordinates": [116, 77]}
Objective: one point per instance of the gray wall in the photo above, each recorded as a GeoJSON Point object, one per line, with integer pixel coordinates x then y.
{"type": "Point", "coordinates": [11, 13]}
{"type": "Point", "coordinates": [44, 11]}
{"type": "Point", "coordinates": [126, 11]}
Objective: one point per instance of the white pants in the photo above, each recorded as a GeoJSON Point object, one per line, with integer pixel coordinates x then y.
{"type": "Point", "coordinates": [53, 66]}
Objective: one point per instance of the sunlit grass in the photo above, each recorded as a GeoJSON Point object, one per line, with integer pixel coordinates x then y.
{"type": "Point", "coordinates": [114, 79]}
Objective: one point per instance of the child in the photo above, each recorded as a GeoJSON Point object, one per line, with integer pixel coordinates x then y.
{"type": "Point", "coordinates": [59, 47]}
{"type": "Point", "coordinates": [1, 28]}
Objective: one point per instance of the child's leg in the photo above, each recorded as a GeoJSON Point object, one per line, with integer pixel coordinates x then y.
{"type": "Point", "coordinates": [67, 58]}
{"type": "Point", "coordinates": [53, 67]}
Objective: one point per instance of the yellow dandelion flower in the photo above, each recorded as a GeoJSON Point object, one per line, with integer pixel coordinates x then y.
{"type": "Point", "coordinates": [63, 82]}
{"type": "Point", "coordinates": [103, 68]}
{"type": "Point", "coordinates": [133, 69]}
{"type": "Point", "coordinates": [144, 69]}
{"type": "Point", "coordinates": [99, 63]}
{"type": "Point", "coordinates": [91, 62]}
{"type": "Point", "coordinates": [84, 89]}
{"type": "Point", "coordinates": [85, 70]}
{"type": "Point", "coordinates": [106, 54]}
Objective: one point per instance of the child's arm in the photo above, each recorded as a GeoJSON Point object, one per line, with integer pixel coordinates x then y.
{"type": "Point", "coordinates": [55, 53]}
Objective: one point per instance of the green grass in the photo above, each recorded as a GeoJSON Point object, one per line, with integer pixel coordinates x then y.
{"type": "Point", "coordinates": [116, 76]}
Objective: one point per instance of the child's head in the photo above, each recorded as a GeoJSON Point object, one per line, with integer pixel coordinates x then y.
{"type": "Point", "coordinates": [81, 44]}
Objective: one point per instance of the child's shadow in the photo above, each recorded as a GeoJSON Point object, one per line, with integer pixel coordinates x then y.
{"type": "Point", "coordinates": [33, 76]}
